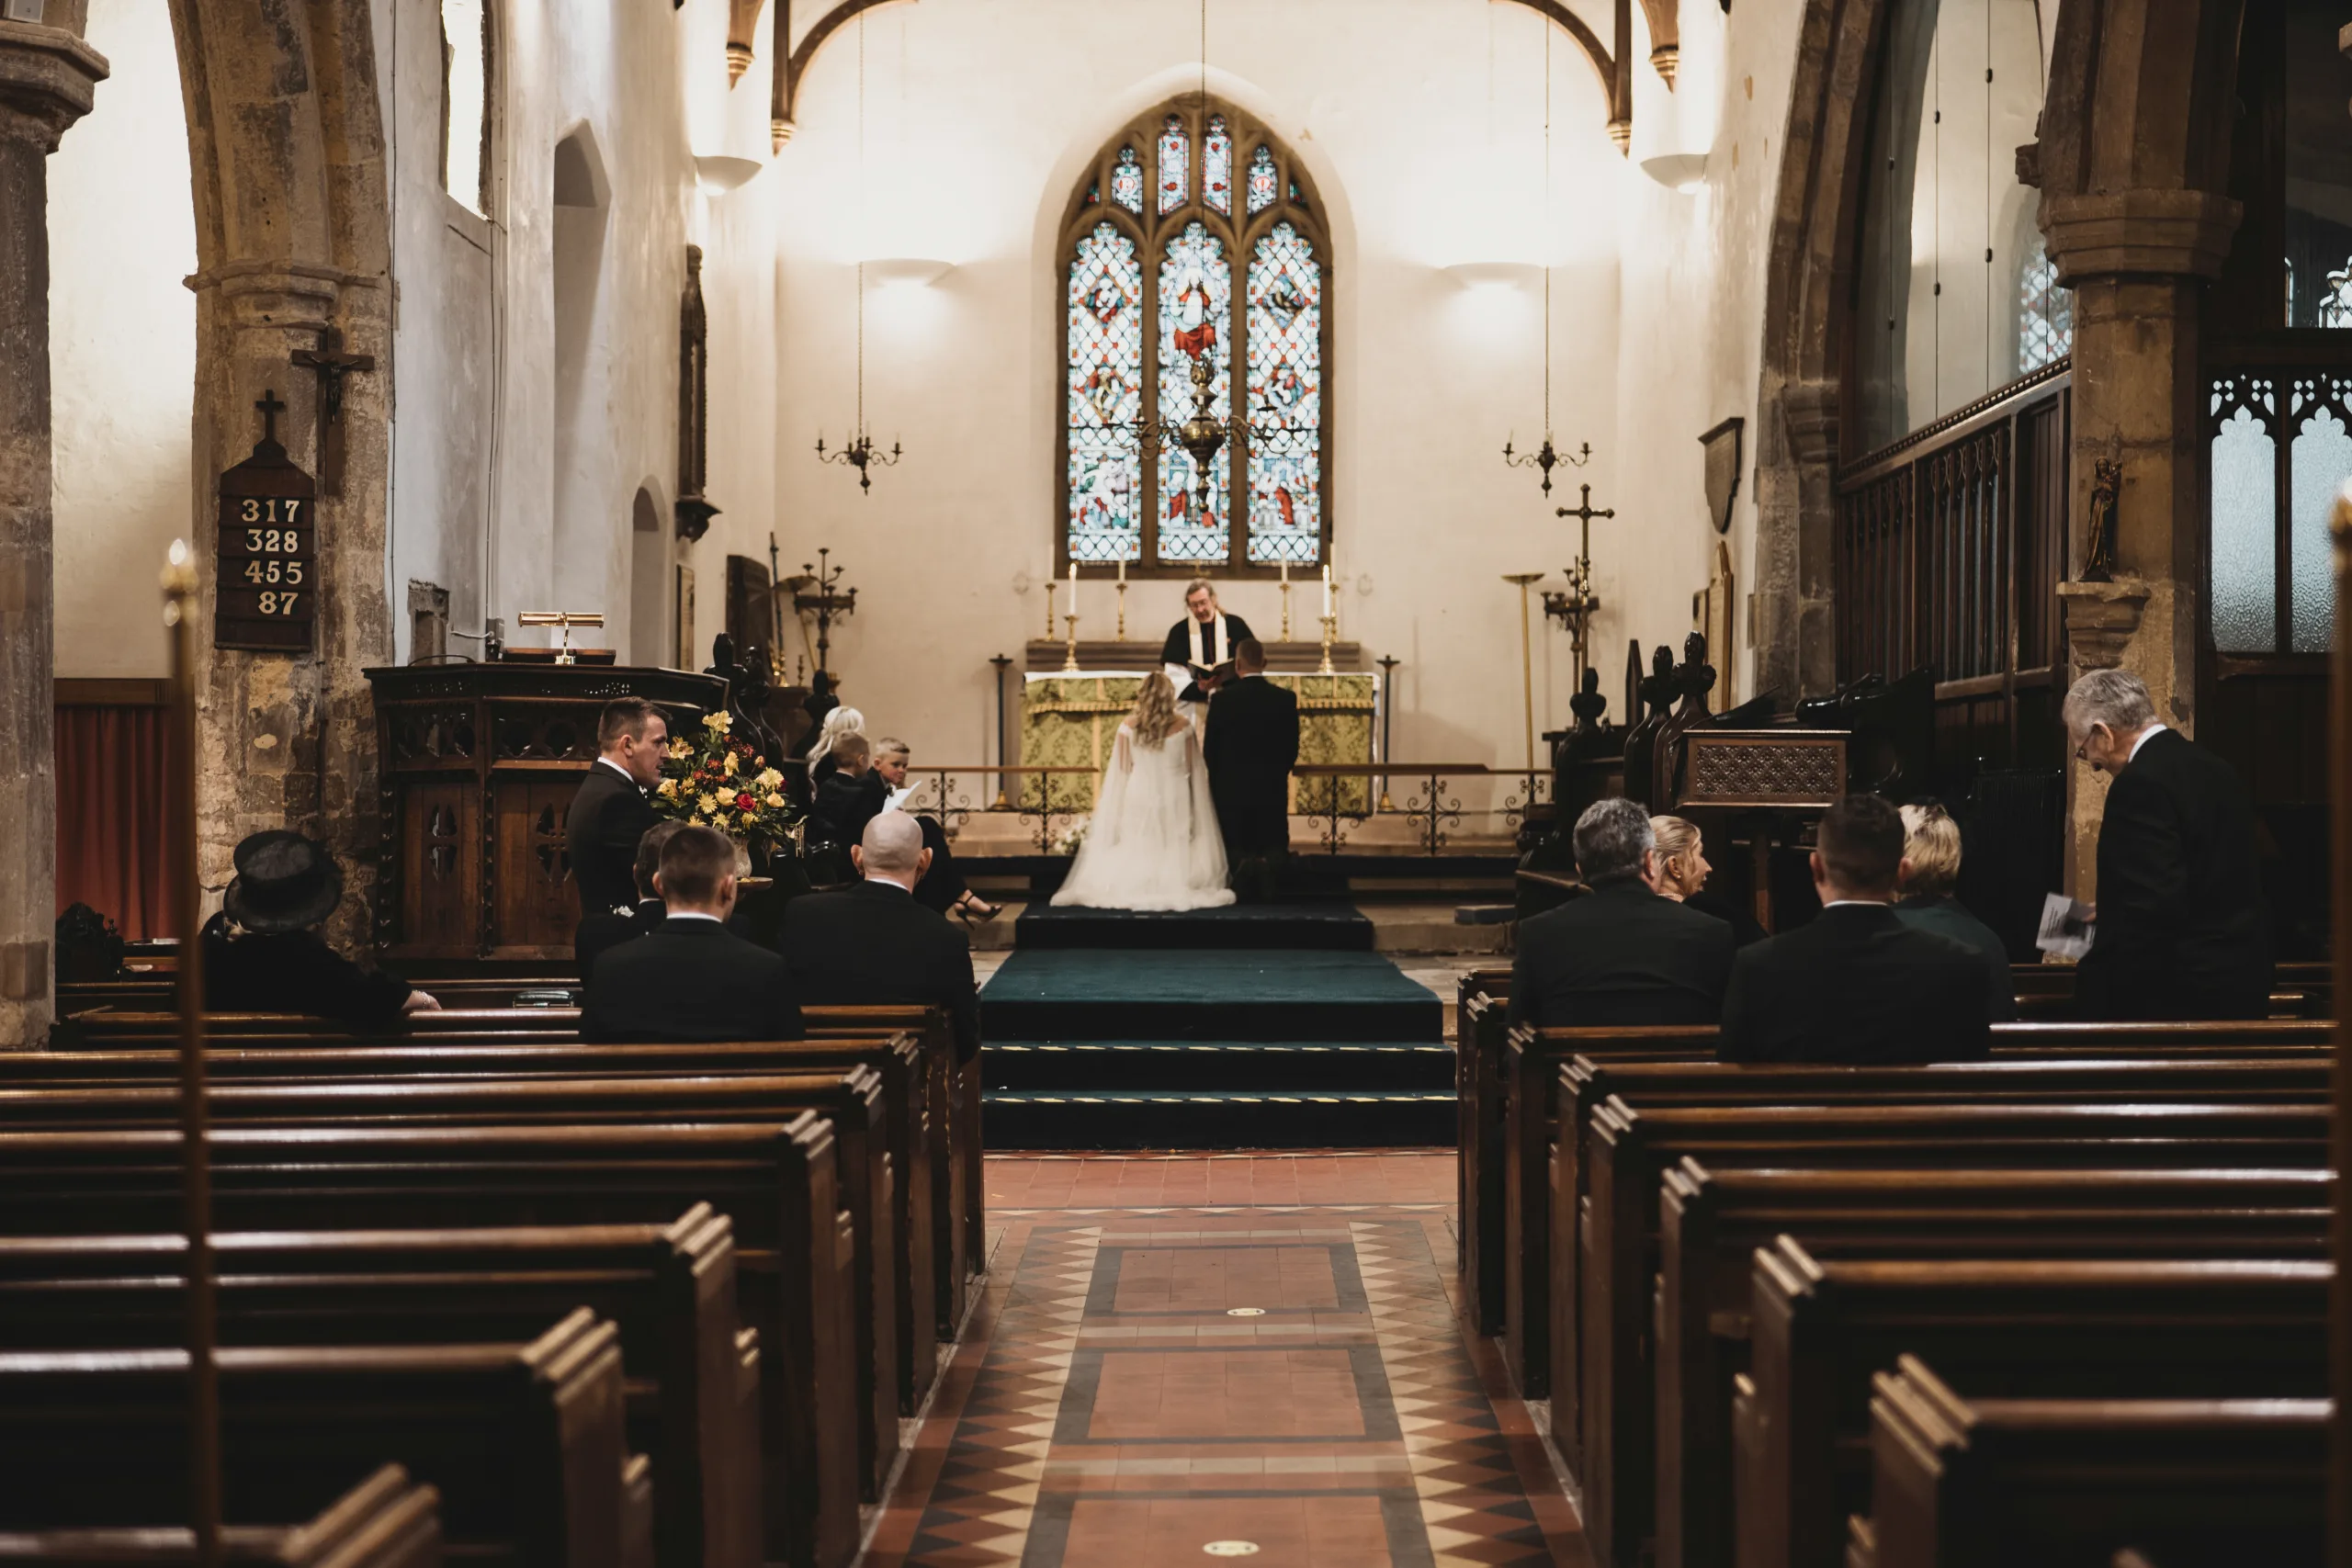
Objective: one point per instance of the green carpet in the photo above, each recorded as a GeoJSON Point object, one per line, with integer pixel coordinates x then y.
{"type": "Point", "coordinates": [1061, 995]}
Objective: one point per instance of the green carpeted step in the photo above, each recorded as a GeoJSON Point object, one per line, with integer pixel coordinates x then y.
{"type": "Point", "coordinates": [1261, 1119]}
{"type": "Point", "coordinates": [1333, 926]}
{"type": "Point", "coordinates": [1195, 1065]}
{"type": "Point", "coordinates": [1219, 995]}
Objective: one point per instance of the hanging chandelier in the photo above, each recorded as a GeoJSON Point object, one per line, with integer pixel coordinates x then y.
{"type": "Point", "coordinates": [1547, 456]}
{"type": "Point", "coordinates": [861, 451]}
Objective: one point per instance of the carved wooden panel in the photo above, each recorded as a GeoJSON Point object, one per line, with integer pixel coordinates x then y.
{"type": "Point", "coordinates": [538, 903]}
{"type": "Point", "coordinates": [1757, 768]}
{"type": "Point", "coordinates": [440, 870]}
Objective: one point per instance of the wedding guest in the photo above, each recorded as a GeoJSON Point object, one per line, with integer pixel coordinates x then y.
{"type": "Point", "coordinates": [264, 952]}
{"type": "Point", "coordinates": [1623, 953]}
{"type": "Point", "coordinates": [609, 814]}
{"type": "Point", "coordinates": [693, 979]}
{"type": "Point", "coordinates": [873, 943]}
{"type": "Point", "coordinates": [942, 887]}
{"type": "Point", "coordinates": [1682, 876]}
{"type": "Point", "coordinates": [1930, 872]}
{"type": "Point", "coordinates": [606, 929]}
{"type": "Point", "coordinates": [838, 723]}
{"type": "Point", "coordinates": [849, 797]}
{"type": "Point", "coordinates": [1855, 983]}
{"type": "Point", "coordinates": [2182, 930]}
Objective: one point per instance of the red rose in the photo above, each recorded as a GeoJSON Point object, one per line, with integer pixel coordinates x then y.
{"type": "Point", "coordinates": [745, 803]}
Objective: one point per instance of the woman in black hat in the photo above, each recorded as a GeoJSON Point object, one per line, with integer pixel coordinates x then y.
{"type": "Point", "coordinates": [263, 952]}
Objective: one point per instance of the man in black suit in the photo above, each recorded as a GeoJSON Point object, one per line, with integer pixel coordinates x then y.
{"type": "Point", "coordinates": [1207, 637]}
{"type": "Point", "coordinates": [1856, 984]}
{"type": "Point", "coordinates": [607, 928]}
{"type": "Point", "coordinates": [2182, 931]}
{"type": "Point", "coordinates": [874, 944]}
{"type": "Point", "coordinates": [693, 979]}
{"type": "Point", "coordinates": [1252, 745]}
{"type": "Point", "coordinates": [1621, 954]}
{"type": "Point", "coordinates": [609, 816]}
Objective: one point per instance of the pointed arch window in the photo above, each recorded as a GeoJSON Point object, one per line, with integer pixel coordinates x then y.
{"type": "Point", "coordinates": [1210, 251]}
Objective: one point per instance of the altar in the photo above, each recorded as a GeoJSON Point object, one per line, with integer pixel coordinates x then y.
{"type": "Point", "coordinates": [1070, 719]}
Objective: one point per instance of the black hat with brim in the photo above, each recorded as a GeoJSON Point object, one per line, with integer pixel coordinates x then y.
{"type": "Point", "coordinates": [284, 882]}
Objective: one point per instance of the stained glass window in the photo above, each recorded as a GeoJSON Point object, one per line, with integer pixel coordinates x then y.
{"type": "Point", "coordinates": [1196, 301]}
{"type": "Point", "coordinates": [1127, 181]}
{"type": "Point", "coordinates": [1168, 271]}
{"type": "Point", "coordinates": [1262, 183]}
{"type": "Point", "coordinates": [1104, 395]}
{"type": "Point", "coordinates": [1284, 394]}
{"type": "Point", "coordinates": [1217, 166]}
{"type": "Point", "coordinates": [2045, 311]}
{"type": "Point", "coordinates": [1175, 178]}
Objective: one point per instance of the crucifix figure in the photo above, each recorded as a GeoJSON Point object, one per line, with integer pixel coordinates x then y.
{"type": "Point", "coordinates": [1576, 605]}
{"type": "Point", "coordinates": [333, 364]}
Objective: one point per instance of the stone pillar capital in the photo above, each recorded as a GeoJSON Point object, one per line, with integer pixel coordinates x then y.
{"type": "Point", "coordinates": [2138, 234]}
{"type": "Point", "coordinates": [49, 79]}
{"type": "Point", "coordinates": [1809, 415]}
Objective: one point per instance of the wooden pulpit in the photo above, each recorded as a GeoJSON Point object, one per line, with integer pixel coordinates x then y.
{"type": "Point", "coordinates": [1763, 786]}
{"type": "Point", "coordinates": [476, 768]}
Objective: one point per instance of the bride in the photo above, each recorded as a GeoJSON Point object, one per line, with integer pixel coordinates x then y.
{"type": "Point", "coordinates": [1153, 843]}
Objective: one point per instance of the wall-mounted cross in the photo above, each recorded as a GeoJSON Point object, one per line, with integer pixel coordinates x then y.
{"type": "Point", "coordinates": [271, 406]}
{"type": "Point", "coordinates": [333, 364]}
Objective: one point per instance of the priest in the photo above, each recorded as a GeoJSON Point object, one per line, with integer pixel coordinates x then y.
{"type": "Point", "coordinates": [1204, 639]}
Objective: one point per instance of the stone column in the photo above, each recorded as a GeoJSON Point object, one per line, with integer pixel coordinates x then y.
{"type": "Point", "coordinates": [2135, 260]}
{"type": "Point", "coordinates": [47, 78]}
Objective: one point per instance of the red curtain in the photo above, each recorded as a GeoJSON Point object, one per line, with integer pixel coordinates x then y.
{"type": "Point", "coordinates": [113, 839]}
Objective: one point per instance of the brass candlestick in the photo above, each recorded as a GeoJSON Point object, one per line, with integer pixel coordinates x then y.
{"type": "Point", "coordinates": [1122, 609]}
{"type": "Point", "coordinates": [1330, 630]}
{"type": "Point", "coordinates": [1526, 657]}
{"type": "Point", "coordinates": [1285, 609]}
{"type": "Point", "coordinates": [1069, 651]}
{"type": "Point", "coordinates": [1050, 606]}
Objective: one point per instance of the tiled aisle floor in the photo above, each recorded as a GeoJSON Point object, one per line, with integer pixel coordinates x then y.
{"type": "Point", "coordinates": [1197, 1350]}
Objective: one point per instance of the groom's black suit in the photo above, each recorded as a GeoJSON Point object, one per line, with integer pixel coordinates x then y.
{"type": "Point", "coordinates": [1251, 746]}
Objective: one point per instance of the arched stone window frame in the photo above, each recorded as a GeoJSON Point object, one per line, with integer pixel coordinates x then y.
{"type": "Point", "coordinates": [1092, 202]}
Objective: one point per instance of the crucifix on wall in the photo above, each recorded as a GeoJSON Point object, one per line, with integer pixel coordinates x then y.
{"type": "Point", "coordinates": [333, 364]}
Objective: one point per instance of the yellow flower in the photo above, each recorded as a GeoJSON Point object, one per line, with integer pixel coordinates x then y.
{"type": "Point", "coordinates": [776, 801]}
{"type": "Point", "coordinates": [669, 790]}
{"type": "Point", "coordinates": [730, 764]}
{"type": "Point", "coordinates": [769, 779]}
{"type": "Point", "coordinates": [718, 721]}
{"type": "Point", "coordinates": [680, 749]}
{"type": "Point", "coordinates": [710, 804]}
{"type": "Point", "coordinates": [748, 821]}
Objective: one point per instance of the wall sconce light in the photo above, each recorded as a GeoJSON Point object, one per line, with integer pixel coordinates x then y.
{"type": "Point", "coordinates": [1684, 172]}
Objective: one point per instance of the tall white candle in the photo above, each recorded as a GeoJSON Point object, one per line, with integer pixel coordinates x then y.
{"type": "Point", "coordinates": [1073, 588]}
{"type": "Point", "coordinates": [1285, 571]}
{"type": "Point", "coordinates": [1326, 589]}
{"type": "Point", "coordinates": [1122, 568]}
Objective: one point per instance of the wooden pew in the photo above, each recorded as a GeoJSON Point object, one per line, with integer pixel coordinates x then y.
{"type": "Point", "coordinates": [954, 1094]}
{"type": "Point", "coordinates": [1533, 1120]}
{"type": "Point", "coordinates": [2046, 1482]}
{"type": "Point", "coordinates": [523, 1442]}
{"type": "Point", "coordinates": [1545, 1304]}
{"type": "Point", "coordinates": [2040, 1329]}
{"type": "Point", "coordinates": [851, 1099]}
{"type": "Point", "coordinates": [692, 1369]}
{"type": "Point", "coordinates": [385, 1521]}
{"type": "Point", "coordinates": [1712, 1221]}
{"type": "Point", "coordinates": [795, 1254]}
{"type": "Point", "coordinates": [913, 1137]}
{"type": "Point", "coordinates": [1631, 1149]}
{"type": "Point", "coordinates": [1480, 1028]}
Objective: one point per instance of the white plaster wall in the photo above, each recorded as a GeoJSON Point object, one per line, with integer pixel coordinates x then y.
{"type": "Point", "coordinates": [478, 465]}
{"type": "Point", "coordinates": [122, 347]}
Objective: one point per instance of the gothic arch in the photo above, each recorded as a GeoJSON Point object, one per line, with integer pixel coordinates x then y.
{"type": "Point", "coordinates": [285, 153]}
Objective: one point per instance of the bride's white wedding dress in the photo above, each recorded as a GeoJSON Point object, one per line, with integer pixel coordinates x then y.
{"type": "Point", "coordinates": [1153, 842]}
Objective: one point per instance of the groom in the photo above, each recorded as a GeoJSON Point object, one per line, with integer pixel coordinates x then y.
{"type": "Point", "coordinates": [1251, 746]}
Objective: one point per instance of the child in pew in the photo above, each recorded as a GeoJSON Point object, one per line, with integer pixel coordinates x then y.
{"type": "Point", "coordinates": [264, 953]}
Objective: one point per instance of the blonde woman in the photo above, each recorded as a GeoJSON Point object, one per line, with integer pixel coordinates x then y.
{"type": "Point", "coordinates": [1930, 873]}
{"type": "Point", "coordinates": [838, 723]}
{"type": "Point", "coordinates": [1153, 842]}
{"type": "Point", "coordinates": [1683, 867]}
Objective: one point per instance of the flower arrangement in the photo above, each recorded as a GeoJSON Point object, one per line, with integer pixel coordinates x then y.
{"type": "Point", "coordinates": [1073, 837]}
{"type": "Point", "coordinates": [712, 780]}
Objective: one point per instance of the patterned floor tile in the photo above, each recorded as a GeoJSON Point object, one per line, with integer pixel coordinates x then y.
{"type": "Point", "coordinates": [1146, 1379]}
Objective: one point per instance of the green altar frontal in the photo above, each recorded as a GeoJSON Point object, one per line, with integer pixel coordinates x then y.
{"type": "Point", "coordinates": [1071, 720]}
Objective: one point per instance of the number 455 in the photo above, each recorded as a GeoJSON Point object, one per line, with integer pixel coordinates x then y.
{"type": "Point", "coordinates": [274, 571]}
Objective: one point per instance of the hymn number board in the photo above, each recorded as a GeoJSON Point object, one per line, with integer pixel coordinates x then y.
{"type": "Point", "coordinates": [268, 559]}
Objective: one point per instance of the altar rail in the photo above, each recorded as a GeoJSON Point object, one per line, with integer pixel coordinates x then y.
{"type": "Point", "coordinates": [1430, 806]}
